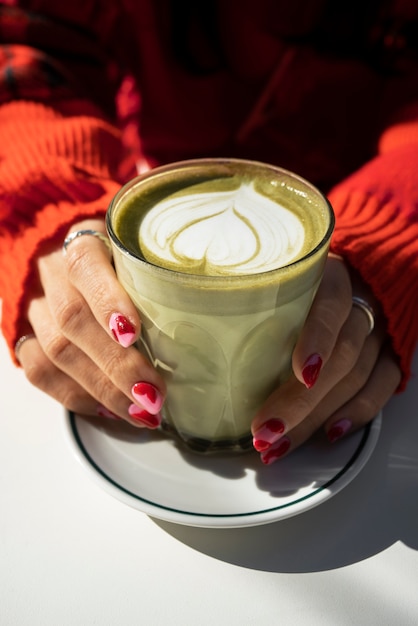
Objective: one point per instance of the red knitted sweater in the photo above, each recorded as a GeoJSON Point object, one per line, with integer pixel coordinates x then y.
{"type": "Point", "coordinates": [89, 88]}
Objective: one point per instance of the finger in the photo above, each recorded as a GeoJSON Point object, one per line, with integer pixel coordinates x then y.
{"type": "Point", "coordinates": [330, 310]}
{"type": "Point", "coordinates": [293, 401]}
{"type": "Point", "coordinates": [90, 271]}
{"type": "Point", "coordinates": [358, 411]}
{"type": "Point", "coordinates": [43, 374]}
{"type": "Point", "coordinates": [59, 354]}
{"type": "Point", "coordinates": [339, 406]}
{"type": "Point", "coordinates": [371, 398]}
{"type": "Point", "coordinates": [293, 405]}
{"type": "Point", "coordinates": [73, 319]}
{"type": "Point", "coordinates": [29, 336]}
{"type": "Point", "coordinates": [69, 359]}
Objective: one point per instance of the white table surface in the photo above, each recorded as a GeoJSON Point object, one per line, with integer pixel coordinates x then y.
{"type": "Point", "coordinates": [71, 554]}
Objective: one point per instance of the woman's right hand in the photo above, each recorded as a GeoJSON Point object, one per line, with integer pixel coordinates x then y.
{"type": "Point", "coordinates": [84, 325]}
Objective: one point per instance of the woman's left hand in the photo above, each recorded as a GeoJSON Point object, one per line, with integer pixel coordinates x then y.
{"type": "Point", "coordinates": [342, 373]}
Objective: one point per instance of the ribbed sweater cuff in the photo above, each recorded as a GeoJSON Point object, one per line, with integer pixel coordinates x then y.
{"type": "Point", "coordinates": [379, 241]}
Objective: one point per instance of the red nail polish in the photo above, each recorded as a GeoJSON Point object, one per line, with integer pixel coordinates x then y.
{"type": "Point", "coordinates": [122, 329]}
{"type": "Point", "coordinates": [311, 370]}
{"type": "Point", "coordinates": [148, 397]}
{"type": "Point", "coordinates": [268, 433]}
{"type": "Point", "coordinates": [145, 418]}
{"type": "Point", "coordinates": [261, 445]}
{"type": "Point", "coordinates": [275, 452]}
{"type": "Point", "coordinates": [339, 429]}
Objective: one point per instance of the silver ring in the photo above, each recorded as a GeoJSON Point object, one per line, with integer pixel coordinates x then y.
{"type": "Point", "coordinates": [19, 343]}
{"type": "Point", "coordinates": [87, 231]}
{"type": "Point", "coordinates": [367, 310]}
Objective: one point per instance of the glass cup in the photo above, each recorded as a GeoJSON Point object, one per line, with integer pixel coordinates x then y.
{"type": "Point", "coordinates": [222, 342]}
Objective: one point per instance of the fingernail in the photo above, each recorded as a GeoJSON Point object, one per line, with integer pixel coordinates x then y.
{"type": "Point", "coordinates": [102, 411]}
{"type": "Point", "coordinates": [148, 397]}
{"type": "Point", "coordinates": [275, 452]}
{"type": "Point", "coordinates": [122, 329]}
{"type": "Point", "coordinates": [311, 369]}
{"type": "Point", "coordinates": [267, 434]}
{"type": "Point", "coordinates": [145, 418]}
{"type": "Point", "coordinates": [339, 429]}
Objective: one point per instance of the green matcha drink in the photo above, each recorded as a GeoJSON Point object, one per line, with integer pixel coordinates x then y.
{"type": "Point", "coordinates": [222, 259]}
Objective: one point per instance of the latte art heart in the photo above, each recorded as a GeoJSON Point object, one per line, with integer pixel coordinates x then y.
{"type": "Point", "coordinates": [238, 231]}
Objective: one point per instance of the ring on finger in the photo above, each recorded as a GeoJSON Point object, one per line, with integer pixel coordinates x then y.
{"type": "Point", "coordinates": [19, 343]}
{"type": "Point", "coordinates": [367, 310]}
{"type": "Point", "coordinates": [87, 231]}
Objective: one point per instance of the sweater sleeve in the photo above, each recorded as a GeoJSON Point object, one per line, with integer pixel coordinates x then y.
{"type": "Point", "coordinates": [59, 149]}
{"type": "Point", "coordinates": [377, 232]}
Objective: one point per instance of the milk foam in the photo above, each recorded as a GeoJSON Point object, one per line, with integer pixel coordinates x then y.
{"type": "Point", "coordinates": [221, 233]}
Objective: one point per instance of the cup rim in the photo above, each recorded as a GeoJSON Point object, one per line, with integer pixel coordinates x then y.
{"type": "Point", "coordinates": [204, 278]}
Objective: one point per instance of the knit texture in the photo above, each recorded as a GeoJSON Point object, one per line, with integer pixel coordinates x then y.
{"type": "Point", "coordinates": [53, 162]}
{"type": "Point", "coordinates": [377, 233]}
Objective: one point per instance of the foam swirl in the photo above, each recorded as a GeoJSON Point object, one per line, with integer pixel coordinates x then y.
{"type": "Point", "coordinates": [221, 233]}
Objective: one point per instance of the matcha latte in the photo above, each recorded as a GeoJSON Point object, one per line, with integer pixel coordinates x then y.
{"type": "Point", "coordinates": [222, 259]}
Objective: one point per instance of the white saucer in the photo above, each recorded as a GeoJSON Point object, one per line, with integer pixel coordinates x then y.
{"type": "Point", "coordinates": [152, 473]}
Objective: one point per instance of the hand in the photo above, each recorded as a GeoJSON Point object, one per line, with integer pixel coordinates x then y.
{"type": "Point", "coordinates": [342, 376]}
{"type": "Point", "coordinates": [84, 325]}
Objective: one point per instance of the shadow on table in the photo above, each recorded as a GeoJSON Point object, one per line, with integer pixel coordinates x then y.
{"type": "Point", "coordinates": [379, 508]}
